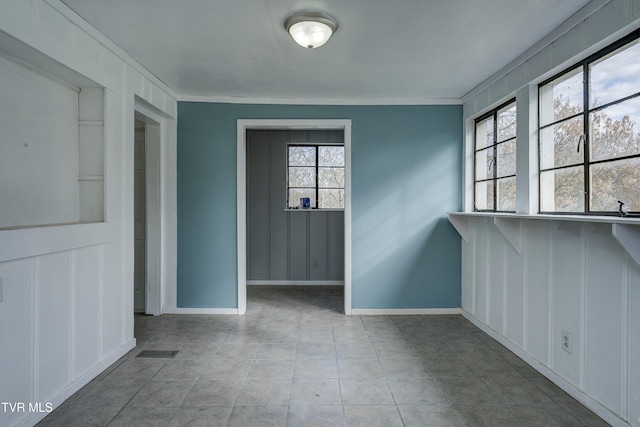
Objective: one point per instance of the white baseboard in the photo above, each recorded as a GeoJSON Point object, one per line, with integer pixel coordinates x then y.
{"type": "Point", "coordinates": [76, 385]}
{"type": "Point", "coordinates": [402, 311]}
{"type": "Point", "coordinates": [569, 388]}
{"type": "Point", "coordinates": [196, 310]}
{"type": "Point", "coordinates": [295, 282]}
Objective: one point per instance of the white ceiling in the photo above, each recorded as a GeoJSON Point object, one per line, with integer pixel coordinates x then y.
{"type": "Point", "coordinates": [406, 51]}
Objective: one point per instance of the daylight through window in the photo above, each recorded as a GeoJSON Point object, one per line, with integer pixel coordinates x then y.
{"type": "Point", "coordinates": [316, 172]}
{"type": "Point", "coordinates": [495, 160]}
{"type": "Point", "coordinates": [589, 136]}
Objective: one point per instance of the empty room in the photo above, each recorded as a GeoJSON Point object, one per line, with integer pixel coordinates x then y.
{"type": "Point", "coordinates": [313, 213]}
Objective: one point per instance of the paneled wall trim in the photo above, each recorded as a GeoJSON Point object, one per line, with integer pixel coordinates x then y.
{"type": "Point", "coordinates": [562, 275]}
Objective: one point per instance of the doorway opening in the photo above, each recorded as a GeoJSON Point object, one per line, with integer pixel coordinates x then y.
{"type": "Point", "coordinates": [343, 127]}
{"type": "Point", "coordinates": [291, 246]}
{"type": "Point", "coordinates": [139, 220]}
{"type": "Point", "coordinates": [146, 203]}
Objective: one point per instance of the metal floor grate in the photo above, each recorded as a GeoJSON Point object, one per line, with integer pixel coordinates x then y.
{"type": "Point", "coordinates": [158, 354]}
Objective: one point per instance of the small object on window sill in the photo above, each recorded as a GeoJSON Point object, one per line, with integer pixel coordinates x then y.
{"type": "Point", "coordinates": [305, 203]}
{"type": "Point", "coordinates": [624, 211]}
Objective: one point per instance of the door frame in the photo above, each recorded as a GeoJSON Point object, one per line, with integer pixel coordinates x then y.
{"type": "Point", "coordinates": [288, 124]}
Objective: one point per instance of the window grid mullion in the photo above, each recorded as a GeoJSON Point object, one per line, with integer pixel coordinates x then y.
{"type": "Point", "coordinates": [585, 144]}
{"type": "Point", "coordinates": [317, 179]}
{"type": "Point", "coordinates": [614, 159]}
{"type": "Point", "coordinates": [573, 165]}
{"type": "Point", "coordinates": [564, 119]}
{"type": "Point", "coordinates": [495, 160]}
{"type": "Point", "coordinates": [506, 140]}
{"type": "Point", "coordinates": [484, 180]}
{"type": "Point", "coordinates": [612, 103]}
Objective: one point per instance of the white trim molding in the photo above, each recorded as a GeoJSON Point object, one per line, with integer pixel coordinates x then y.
{"type": "Point", "coordinates": [269, 124]}
{"type": "Point", "coordinates": [403, 311]}
{"type": "Point", "coordinates": [318, 101]}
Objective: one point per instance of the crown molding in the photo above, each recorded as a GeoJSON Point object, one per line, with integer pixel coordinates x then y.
{"type": "Point", "coordinates": [318, 101]}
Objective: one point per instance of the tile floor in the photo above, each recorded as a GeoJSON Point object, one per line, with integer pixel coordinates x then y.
{"type": "Point", "coordinates": [295, 360]}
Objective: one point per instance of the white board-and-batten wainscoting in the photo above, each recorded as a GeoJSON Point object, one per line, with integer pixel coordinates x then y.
{"type": "Point", "coordinates": [529, 284]}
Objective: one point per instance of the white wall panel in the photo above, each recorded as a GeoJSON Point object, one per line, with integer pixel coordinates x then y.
{"type": "Point", "coordinates": [85, 45]}
{"type": "Point", "coordinates": [157, 95]}
{"type": "Point", "coordinates": [113, 312]}
{"type": "Point", "coordinates": [497, 248]}
{"type": "Point", "coordinates": [111, 62]}
{"type": "Point", "coordinates": [568, 267]}
{"type": "Point", "coordinates": [515, 285]}
{"type": "Point", "coordinates": [18, 9]}
{"type": "Point", "coordinates": [16, 318]}
{"type": "Point", "coordinates": [87, 278]}
{"type": "Point", "coordinates": [538, 241]}
{"type": "Point", "coordinates": [634, 342]}
{"type": "Point", "coordinates": [604, 317]}
{"type": "Point", "coordinates": [51, 26]}
{"type": "Point", "coordinates": [53, 281]}
{"type": "Point", "coordinates": [468, 274]}
{"type": "Point", "coordinates": [482, 269]}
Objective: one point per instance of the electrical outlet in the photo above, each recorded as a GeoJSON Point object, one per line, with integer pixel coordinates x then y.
{"type": "Point", "coordinates": [566, 341]}
{"type": "Point", "coordinates": [316, 263]}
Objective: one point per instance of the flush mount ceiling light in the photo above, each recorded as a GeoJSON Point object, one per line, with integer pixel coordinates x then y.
{"type": "Point", "coordinates": [310, 29]}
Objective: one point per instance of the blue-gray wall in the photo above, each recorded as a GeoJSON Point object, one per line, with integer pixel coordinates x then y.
{"type": "Point", "coordinates": [405, 171]}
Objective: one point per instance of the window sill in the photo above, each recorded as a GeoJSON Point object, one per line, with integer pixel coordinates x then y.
{"type": "Point", "coordinates": [625, 230]}
{"type": "Point", "coordinates": [547, 217]}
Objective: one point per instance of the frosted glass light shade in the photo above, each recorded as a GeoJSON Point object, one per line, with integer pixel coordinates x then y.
{"type": "Point", "coordinates": [309, 29]}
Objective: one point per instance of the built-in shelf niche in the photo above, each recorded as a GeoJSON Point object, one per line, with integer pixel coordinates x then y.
{"type": "Point", "coordinates": [91, 154]}
{"type": "Point", "coordinates": [52, 145]}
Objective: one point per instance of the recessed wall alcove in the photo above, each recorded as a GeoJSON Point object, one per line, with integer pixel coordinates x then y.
{"type": "Point", "coordinates": [51, 144]}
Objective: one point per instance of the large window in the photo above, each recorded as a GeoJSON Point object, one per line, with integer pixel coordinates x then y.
{"type": "Point", "coordinates": [495, 160]}
{"type": "Point", "coordinates": [316, 172]}
{"type": "Point", "coordinates": [589, 135]}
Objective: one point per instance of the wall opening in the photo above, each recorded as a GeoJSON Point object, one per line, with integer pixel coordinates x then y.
{"type": "Point", "coordinates": [287, 245]}
{"type": "Point", "coordinates": [244, 126]}
{"type": "Point", "coordinates": [147, 216]}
